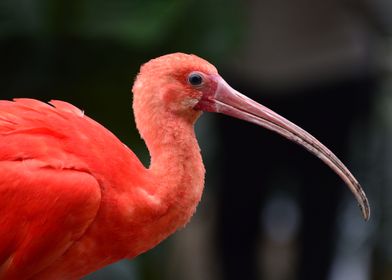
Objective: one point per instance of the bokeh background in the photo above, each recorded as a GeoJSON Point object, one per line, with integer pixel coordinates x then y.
{"type": "Point", "coordinates": [270, 211]}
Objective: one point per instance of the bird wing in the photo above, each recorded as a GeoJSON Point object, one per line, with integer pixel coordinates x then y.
{"type": "Point", "coordinates": [48, 197]}
{"type": "Point", "coordinates": [63, 137]}
{"type": "Point", "coordinates": [43, 211]}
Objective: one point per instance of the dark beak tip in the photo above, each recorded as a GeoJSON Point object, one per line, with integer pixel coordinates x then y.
{"type": "Point", "coordinates": [365, 211]}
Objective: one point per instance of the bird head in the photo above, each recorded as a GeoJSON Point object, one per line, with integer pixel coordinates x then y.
{"type": "Point", "coordinates": [186, 85]}
{"type": "Point", "coordinates": [175, 83]}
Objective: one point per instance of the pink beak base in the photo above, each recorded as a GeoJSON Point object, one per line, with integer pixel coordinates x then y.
{"type": "Point", "coordinates": [228, 101]}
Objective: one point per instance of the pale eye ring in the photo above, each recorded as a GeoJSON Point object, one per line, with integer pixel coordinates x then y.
{"type": "Point", "coordinates": [195, 79]}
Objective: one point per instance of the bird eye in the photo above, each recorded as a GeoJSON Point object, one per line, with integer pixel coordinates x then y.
{"type": "Point", "coordinates": [195, 79]}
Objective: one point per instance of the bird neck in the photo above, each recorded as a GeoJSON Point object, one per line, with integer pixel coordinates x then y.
{"type": "Point", "coordinates": [176, 165]}
{"type": "Point", "coordinates": [173, 145]}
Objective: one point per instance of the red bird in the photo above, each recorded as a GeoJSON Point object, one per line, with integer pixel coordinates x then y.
{"type": "Point", "coordinates": [74, 198]}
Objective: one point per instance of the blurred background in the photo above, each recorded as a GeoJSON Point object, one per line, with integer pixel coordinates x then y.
{"type": "Point", "coordinates": [270, 211]}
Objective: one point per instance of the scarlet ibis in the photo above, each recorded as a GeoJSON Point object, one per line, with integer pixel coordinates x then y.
{"type": "Point", "coordinates": [74, 198]}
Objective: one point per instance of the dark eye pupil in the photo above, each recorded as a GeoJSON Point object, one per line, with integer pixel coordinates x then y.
{"type": "Point", "coordinates": [195, 79]}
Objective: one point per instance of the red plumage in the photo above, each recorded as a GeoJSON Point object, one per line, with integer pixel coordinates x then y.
{"type": "Point", "coordinates": [74, 198]}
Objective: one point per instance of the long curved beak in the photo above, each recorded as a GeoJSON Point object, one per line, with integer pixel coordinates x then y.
{"type": "Point", "coordinates": [228, 101]}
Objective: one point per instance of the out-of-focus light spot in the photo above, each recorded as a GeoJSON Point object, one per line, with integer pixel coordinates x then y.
{"type": "Point", "coordinates": [281, 218]}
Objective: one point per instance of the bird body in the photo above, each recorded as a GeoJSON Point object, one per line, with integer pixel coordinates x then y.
{"type": "Point", "coordinates": [78, 193]}
{"type": "Point", "coordinates": [74, 198]}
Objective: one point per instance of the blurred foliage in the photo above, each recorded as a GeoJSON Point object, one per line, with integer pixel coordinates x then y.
{"type": "Point", "coordinates": [195, 25]}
